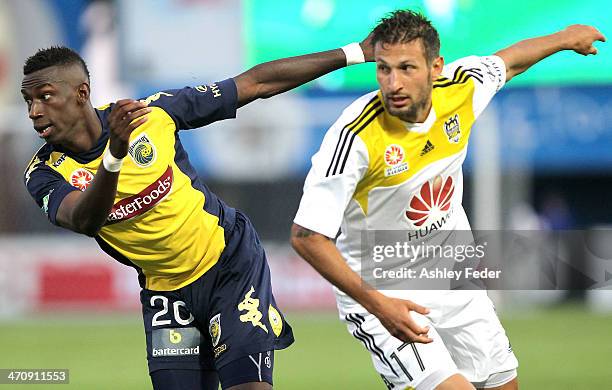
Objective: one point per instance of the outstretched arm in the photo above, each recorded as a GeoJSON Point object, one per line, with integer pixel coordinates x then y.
{"type": "Point", "coordinates": [522, 55]}
{"type": "Point", "coordinates": [274, 77]}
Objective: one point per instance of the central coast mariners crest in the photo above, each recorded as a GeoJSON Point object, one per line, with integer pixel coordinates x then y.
{"type": "Point", "coordinates": [142, 151]}
{"type": "Point", "coordinates": [214, 328]}
{"type": "Point", "coordinates": [452, 130]}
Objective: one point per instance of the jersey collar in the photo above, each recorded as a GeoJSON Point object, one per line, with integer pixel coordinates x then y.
{"type": "Point", "coordinates": [422, 127]}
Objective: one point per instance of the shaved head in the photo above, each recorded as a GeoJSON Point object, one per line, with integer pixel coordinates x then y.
{"type": "Point", "coordinates": [54, 56]}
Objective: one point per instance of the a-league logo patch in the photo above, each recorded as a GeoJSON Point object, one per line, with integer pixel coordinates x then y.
{"type": "Point", "coordinates": [142, 151]}
{"type": "Point", "coordinates": [452, 130]}
{"type": "Point", "coordinates": [81, 178]}
{"type": "Point", "coordinates": [214, 328]}
{"type": "Point", "coordinates": [394, 154]}
{"type": "Point", "coordinates": [394, 158]}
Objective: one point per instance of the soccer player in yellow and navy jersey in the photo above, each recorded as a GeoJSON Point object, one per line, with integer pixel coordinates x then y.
{"type": "Point", "coordinates": [120, 174]}
{"type": "Point", "coordinates": [392, 161]}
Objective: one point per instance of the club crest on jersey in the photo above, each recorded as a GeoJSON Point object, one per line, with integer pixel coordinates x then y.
{"type": "Point", "coordinates": [452, 130]}
{"type": "Point", "coordinates": [81, 178]}
{"type": "Point", "coordinates": [214, 328]}
{"type": "Point", "coordinates": [394, 158]}
{"type": "Point", "coordinates": [142, 151]}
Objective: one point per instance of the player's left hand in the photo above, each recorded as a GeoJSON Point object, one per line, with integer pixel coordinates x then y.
{"type": "Point", "coordinates": [368, 48]}
{"type": "Point", "coordinates": [580, 38]}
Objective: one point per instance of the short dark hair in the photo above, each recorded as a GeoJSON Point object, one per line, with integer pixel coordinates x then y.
{"type": "Point", "coordinates": [54, 56]}
{"type": "Point", "coordinates": [403, 26]}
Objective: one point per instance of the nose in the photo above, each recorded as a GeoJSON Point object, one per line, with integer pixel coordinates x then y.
{"type": "Point", "coordinates": [34, 111]}
{"type": "Point", "coordinates": [394, 81]}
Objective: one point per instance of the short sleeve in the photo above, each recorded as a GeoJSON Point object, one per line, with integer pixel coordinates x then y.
{"type": "Point", "coordinates": [193, 107]}
{"type": "Point", "coordinates": [48, 188]}
{"type": "Point", "coordinates": [336, 170]}
{"type": "Point", "coordinates": [488, 73]}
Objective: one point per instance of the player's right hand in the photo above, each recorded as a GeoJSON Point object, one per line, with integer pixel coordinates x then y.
{"type": "Point", "coordinates": [125, 116]}
{"type": "Point", "coordinates": [394, 315]}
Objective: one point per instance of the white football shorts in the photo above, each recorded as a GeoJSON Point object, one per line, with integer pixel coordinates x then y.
{"type": "Point", "coordinates": [468, 339]}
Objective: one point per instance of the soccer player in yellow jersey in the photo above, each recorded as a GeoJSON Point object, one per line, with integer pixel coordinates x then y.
{"type": "Point", "coordinates": [392, 161]}
{"type": "Point", "coordinates": [119, 173]}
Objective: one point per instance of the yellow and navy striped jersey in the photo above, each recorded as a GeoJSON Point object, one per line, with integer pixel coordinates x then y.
{"type": "Point", "coordinates": [165, 222]}
{"type": "Point", "coordinates": [375, 172]}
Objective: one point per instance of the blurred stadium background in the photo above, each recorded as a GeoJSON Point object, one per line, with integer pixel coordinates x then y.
{"type": "Point", "coordinates": [540, 159]}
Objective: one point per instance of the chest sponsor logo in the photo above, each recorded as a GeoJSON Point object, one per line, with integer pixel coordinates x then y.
{"type": "Point", "coordinates": [452, 129]}
{"type": "Point", "coordinates": [430, 208]}
{"type": "Point", "coordinates": [144, 201]}
{"type": "Point", "coordinates": [394, 158]}
{"type": "Point", "coordinates": [142, 151]}
{"type": "Point", "coordinates": [81, 178]}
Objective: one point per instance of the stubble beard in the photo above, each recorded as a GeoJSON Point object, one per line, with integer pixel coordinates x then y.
{"type": "Point", "coordinates": [410, 113]}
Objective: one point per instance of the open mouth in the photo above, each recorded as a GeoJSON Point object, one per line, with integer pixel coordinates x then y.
{"type": "Point", "coordinates": [44, 131]}
{"type": "Point", "coordinates": [399, 101]}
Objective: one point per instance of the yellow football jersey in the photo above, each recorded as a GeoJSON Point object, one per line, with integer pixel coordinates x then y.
{"type": "Point", "coordinates": [375, 172]}
{"type": "Point", "coordinates": [165, 222]}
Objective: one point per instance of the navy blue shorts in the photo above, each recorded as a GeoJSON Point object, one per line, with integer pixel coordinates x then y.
{"type": "Point", "coordinates": [227, 314]}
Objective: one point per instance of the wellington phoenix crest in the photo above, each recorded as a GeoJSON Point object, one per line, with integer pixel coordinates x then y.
{"type": "Point", "coordinates": [452, 129]}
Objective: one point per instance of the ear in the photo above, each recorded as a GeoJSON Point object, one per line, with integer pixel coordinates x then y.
{"type": "Point", "coordinates": [83, 93]}
{"type": "Point", "coordinates": [436, 68]}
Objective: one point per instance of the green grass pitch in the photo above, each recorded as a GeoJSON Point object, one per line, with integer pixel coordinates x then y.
{"type": "Point", "coordinates": [562, 348]}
